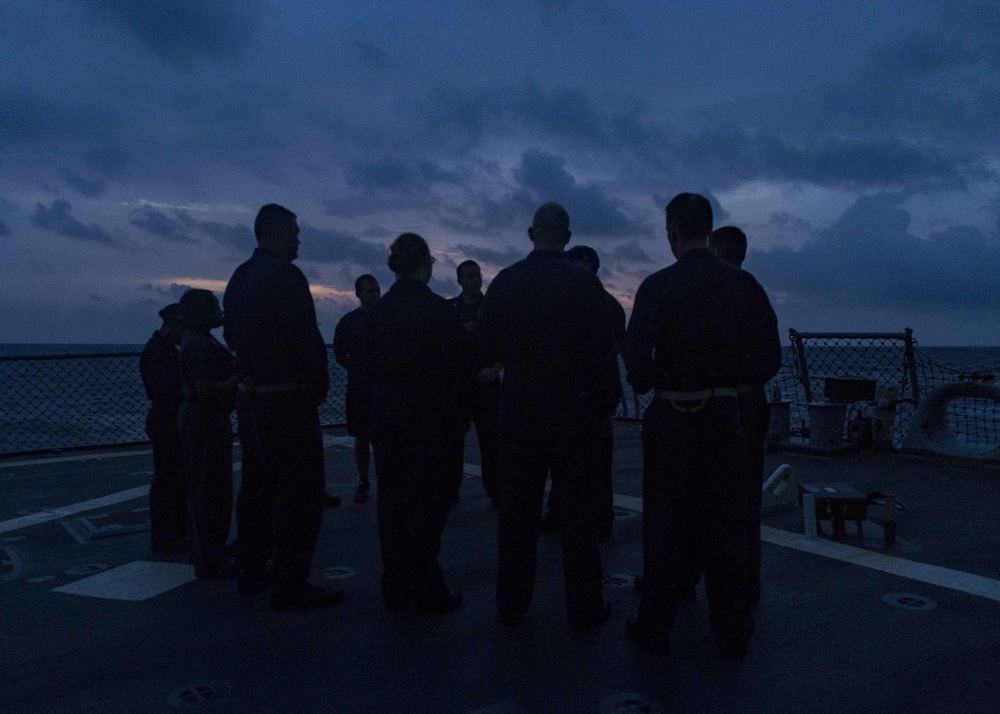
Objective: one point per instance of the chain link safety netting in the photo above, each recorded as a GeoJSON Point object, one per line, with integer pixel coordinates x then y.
{"type": "Point", "coordinates": [61, 402]}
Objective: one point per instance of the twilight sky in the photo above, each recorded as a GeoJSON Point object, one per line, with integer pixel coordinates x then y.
{"type": "Point", "coordinates": [856, 143]}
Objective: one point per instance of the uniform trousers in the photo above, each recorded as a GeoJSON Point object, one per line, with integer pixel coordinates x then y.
{"type": "Point", "coordinates": [168, 522]}
{"type": "Point", "coordinates": [606, 492]}
{"type": "Point", "coordinates": [755, 413]}
{"type": "Point", "coordinates": [415, 436]}
{"type": "Point", "coordinates": [207, 436]}
{"type": "Point", "coordinates": [279, 511]}
{"type": "Point", "coordinates": [566, 443]}
{"type": "Point", "coordinates": [482, 408]}
{"type": "Point", "coordinates": [695, 495]}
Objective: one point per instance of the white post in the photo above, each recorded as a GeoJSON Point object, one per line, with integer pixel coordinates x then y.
{"type": "Point", "coordinates": [809, 515]}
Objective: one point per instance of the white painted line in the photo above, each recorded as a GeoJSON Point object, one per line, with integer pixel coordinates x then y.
{"type": "Point", "coordinates": [337, 441]}
{"type": "Point", "coordinates": [139, 580]}
{"type": "Point", "coordinates": [63, 511]}
{"type": "Point", "coordinates": [79, 457]}
{"type": "Point", "coordinates": [52, 514]}
{"type": "Point", "coordinates": [921, 572]}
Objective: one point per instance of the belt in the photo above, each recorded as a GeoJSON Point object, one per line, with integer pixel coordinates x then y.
{"type": "Point", "coordinates": [272, 388]}
{"type": "Point", "coordinates": [698, 396]}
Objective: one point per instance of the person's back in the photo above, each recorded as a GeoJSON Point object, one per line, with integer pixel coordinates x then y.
{"type": "Point", "coordinates": [542, 320]}
{"type": "Point", "coordinates": [545, 320]}
{"type": "Point", "coordinates": [702, 317]}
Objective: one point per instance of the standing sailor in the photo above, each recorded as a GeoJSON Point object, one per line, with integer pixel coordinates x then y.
{"type": "Point", "coordinates": [418, 355]}
{"type": "Point", "coordinates": [160, 368]}
{"type": "Point", "coordinates": [209, 374]}
{"type": "Point", "coordinates": [270, 322]}
{"type": "Point", "coordinates": [544, 320]}
{"type": "Point", "coordinates": [697, 327]}
{"type": "Point", "coordinates": [358, 399]}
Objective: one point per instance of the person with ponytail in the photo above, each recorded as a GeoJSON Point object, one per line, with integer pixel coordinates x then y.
{"type": "Point", "coordinates": [419, 355]}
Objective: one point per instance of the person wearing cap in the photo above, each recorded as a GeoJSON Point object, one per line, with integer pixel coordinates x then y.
{"type": "Point", "coordinates": [418, 355]}
{"type": "Point", "coordinates": [586, 258]}
{"type": "Point", "coordinates": [699, 328]}
{"type": "Point", "coordinates": [209, 377]}
{"type": "Point", "coordinates": [544, 320]}
{"type": "Point", "coordinates": [160, 369]}
{"type": "Point", "coordinates": [270, 323]}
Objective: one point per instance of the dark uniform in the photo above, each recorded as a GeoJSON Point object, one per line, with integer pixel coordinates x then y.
{"type": "Point", "coordinates": [160, 368]}
{"type": "Point", "coordinates": [270, 322]}
{"type": "Point", "coordinates": [418, 355]}
{"type": "Point", "coordinates": [543, 319]}
{"type": "Point", "coordinates": [699, 329]}
{"type": "Point", "coordinates": [207, 436]}
{"type": "Point", "coordinates": [605, 464]}
{"type": "Point", "coordinates": [358, 399]}
{"type": "Point", "coordinates": [481, 403]}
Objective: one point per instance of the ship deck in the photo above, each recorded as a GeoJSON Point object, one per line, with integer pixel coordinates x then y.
{"type": "Point", "coordinates": [92, 622]}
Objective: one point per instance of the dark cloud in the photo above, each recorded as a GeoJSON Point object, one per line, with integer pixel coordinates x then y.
{"type": "Point", "coordinates": [329, 246]}
{"type": "Point", "coordinates": [4, 230]}
{"type": "Point", "coordinates": [175, 230]}
{"type": "Point", "coordinates": [181, 31]}
{"type": "Point", "coordinates": [592, 213]}
{"type": "Point", "coordinates": [395, 175]}
{"type": "Point", "coordinates": [85, 186]}
{"type": "Point", "coordinates": [631, 252]}
{"type": "Point", "coordinates": [239, 236]}
{"type": "Point", "coordinates": [107, 160]}
{"type": "Point", "coordinates": [868, 259]}
{"type": "Point", "coordinates": [57, 219]}
{"type": "Point", "coordinates": [499, 258]}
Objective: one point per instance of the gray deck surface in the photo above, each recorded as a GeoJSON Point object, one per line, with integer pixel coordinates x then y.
{"type": "Point", "coordinates": [826, 641]}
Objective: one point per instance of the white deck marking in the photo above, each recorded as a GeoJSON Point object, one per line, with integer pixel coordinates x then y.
{"type": "Point", "coordinates": [921, 572]}
{"type": "Point", "coordinates": [138, 580]}
{"type": "Point", "coordinates": [52, 514]}
{"type": "Point", "coordinates": [79, 457]}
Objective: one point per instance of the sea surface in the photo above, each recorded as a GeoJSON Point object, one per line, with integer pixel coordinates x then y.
{"type": "Point", "coordinates": [62, 396]}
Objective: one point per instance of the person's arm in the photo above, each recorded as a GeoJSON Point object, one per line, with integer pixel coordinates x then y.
{"type": "Point", "coordinates": [764, 341]}
{"type": "Point", "coordinates": [306, 342]}
{"type": "Point", "coordinates": [342, 346]}
{"type": "Point", "coordinates": [490, 329]}
{"type": "Point", "coordinates": [640, 339]}
{"type": "Point", "coordinates": [161, 376]}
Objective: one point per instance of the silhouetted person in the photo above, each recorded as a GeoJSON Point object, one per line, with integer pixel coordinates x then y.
{"type": "Point", "coordinates": [481, 392]}
{"type": "Point", "coordinates": [358, 399]}
{"type": "Point", "coordinates": [697, 327]}
{"type": "Point", "coordinates": [160, 368]}
{"type": "Point", "coordinates": [585, 257]}
{"type": "Point", "coordinates": [544, 320]}
{"type": "Point", "coordinates": [209, 374]}
{"type": "Point", "coordinates": [270, 322]}
{"type": "Point", "coordinates": [418, 354]}
{"type": "Point", "coordinates": [729, 244]}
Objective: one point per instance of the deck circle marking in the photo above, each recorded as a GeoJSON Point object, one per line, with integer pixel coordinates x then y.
{"type": "Point", "coordinates": [619, 580]}
{"type": "Point", "coordinates": [88, 569]}
{"type": "Point", "coordinates": [909, 601]}
{"type": "Point", "coordinates": [338, 572]}
{"type": "Point", "coordinates": [621, 514]}
{"type": "Point", "coordinates": [41, 579]}
{"type": "Point", "coordinates": [193, 694]}
{"type": "Point", "coordinates": [628, 703]}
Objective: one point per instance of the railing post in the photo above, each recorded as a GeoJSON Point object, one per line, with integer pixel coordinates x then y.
{"type": "Point", "coordinates": [911, 363]}
{"type": "Point", "coordinates": [800, 358]}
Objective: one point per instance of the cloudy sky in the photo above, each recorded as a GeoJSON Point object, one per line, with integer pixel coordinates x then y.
{"type": "Point", "coordinates": [855, 142]}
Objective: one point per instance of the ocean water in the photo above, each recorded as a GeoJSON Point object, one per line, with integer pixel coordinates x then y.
{"type": "Point", "coordinates": [61, 396]}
